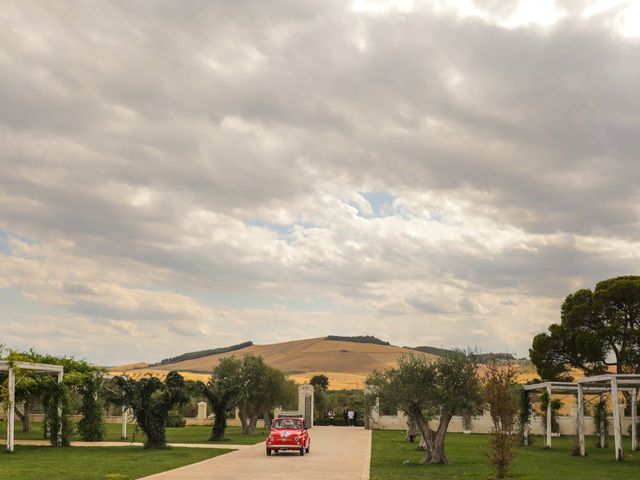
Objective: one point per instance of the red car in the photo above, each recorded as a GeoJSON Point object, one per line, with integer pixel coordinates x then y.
{"type": "Point", "coordinates": [288, 433]}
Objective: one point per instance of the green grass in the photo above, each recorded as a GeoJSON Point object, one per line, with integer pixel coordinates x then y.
{"type": "Point", "coordinates": [94, 463]}
{"type": "Point", "coordinates": [191, 434]}
{"type": "Point", "coordinates": [467, 455]}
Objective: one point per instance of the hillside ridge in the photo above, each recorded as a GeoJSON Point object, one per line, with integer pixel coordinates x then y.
{"type": "Point", "coordinates": [346, 361]}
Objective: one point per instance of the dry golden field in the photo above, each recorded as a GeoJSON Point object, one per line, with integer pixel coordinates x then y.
{"type": "Point", "coordinates": [345, 363]}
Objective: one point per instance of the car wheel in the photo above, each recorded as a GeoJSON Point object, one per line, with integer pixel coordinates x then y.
{"type": "Point", "coordinates": [268, 452]}
{"type": "Point", "coordinates": [302, 452]}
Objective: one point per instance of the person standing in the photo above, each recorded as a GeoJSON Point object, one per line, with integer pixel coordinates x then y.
{"type": "Point", "coordinates": [331, 416]}
{"type": "Point", "coordinates": [345, 415]}
{"type": "Point", "coordinates": [351, 415]}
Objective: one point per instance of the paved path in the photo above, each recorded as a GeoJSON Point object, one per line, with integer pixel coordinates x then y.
{"type": "Point", "coordinates": [337, 453]}
{"type": "Point", "coordinates": [46, 443]}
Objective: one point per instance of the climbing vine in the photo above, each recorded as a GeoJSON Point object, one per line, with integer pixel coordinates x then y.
{"type": "Point", "coordinates": [57, 405]}
{"type": "Point", "coordinates": [556, 405]}
{"type": "Point", "coordinates": [91, 426]}
{"type": "Point", "coordinates": [525, 409]}
{"type": "Point", "coordinates": [601, 422]}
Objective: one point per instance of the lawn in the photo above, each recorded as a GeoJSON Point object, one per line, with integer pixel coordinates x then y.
{"type": "Point", "coordinates": [91, 463]}
{"type": "Point", "coordinates": [191, 434]}
{"type": "Point", "coordinates": [393, 458]}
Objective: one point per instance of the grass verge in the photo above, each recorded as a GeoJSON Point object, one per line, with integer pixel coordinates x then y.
{"type": "Point", "coordinates": [94, 463]}
{"type": "Point", "coordinates": [392, 458]}
{"type": "Point", "coordinates": [191, 434]}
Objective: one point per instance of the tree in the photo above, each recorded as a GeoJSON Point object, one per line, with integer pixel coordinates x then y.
{"type": "Point", "coordinates": [222, 392]}
{"type": "Point", "coordinates": [253, 371]}
{"type": "Point", "coordinates": [263, 388]}
{"type": "Point", "coordinates": [595, 325]}
{"type": "Point", "coordinates": [276, 391]}
{"type": "Point", "coordinates": [457, 393]}
{"type": "Point", "coordinates": [151, 399]}
{"type": "Point", "coordinates": [28, 391]}
{"type": "Point", "coordinates": [499, 387]}
{"type": "Point", "coordinates": [425, 390]}
{"type": "Point", "coordinates": [407, 387]}
{"type": "Point", "coordinates": [321, 381]}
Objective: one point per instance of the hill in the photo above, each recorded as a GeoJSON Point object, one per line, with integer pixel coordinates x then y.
{"type": "Point", "coordinates": [346, 362]}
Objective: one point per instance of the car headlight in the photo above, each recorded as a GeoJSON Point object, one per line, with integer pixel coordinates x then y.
{"type": "Point", "coordinates": [296, 439]}
{"type": "Point", "coordinates": [271, 439]}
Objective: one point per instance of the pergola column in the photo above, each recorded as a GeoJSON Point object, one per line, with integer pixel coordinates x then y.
{"type": "Point", "coordinates": [60, 377]}
{"type": "Point", "coordinates": [603, 432]}
{"type": "Point", "coordinates": [634, 419]}
{"type": "Point", "coordinates": [617, 424]}
{"type": "Point", "coordinates": [580, 420]}
{"type": "Point", "coordinates": [123, 433]}
{"type": "Point", "coordinates": [11, 414]}
{"type": "Point", "coordinates": [548, 441]}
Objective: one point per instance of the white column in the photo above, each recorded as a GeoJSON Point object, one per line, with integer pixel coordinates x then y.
{"type": "Point", "coordinates": [202, 413]}
{"type": "Point", "coordinates": [11, 414]}
{"type": "Point", "coordinates": [60, 377]}
{"type": "Point", "coordinates": [305, 391]}
{"type": "Point", "coordinates": [634, 419]}
{"type": "Point", "coordinates": [580, 424]}
{"type": "Point", "coordinates": [617, 425]}
{"type": "Point", "coordinates": [123, 433]}
{"type": "Point", "coordinates": [603, 433]}
{"type": "Point", "coordinates": [548, 444]}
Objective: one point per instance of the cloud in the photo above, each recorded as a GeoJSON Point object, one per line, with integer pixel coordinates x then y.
{"type": "Point", "coordinates": [199, 172]}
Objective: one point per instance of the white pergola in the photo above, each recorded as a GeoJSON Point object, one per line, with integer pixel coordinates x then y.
{"type": "Point", "coordinates": [37, 368]}
{"type": "Point", "coordinates": [550, 388]}
{"type": "Point", "coordinates": [571, 388]}
{"type": "Point", "coordinates": [613, 383]}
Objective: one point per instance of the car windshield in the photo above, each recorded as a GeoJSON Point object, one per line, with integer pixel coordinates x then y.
{"type": "Point", "coordinates": [286, 423]}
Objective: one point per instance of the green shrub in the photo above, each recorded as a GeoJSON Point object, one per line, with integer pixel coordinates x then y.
{"type": "Point", "coordinates": [176, 419]}
{"type": "Point", "coordinates": [151, 401]}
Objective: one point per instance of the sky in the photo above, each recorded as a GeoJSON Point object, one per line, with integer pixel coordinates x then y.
{"type": "Point", "coordinates": [185, 175]}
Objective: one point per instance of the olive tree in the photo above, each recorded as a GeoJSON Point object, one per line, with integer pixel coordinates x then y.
{"type": "Point", "coordinates": [262, 388]}
{"type": "Point", "coordinates": [427, 390]}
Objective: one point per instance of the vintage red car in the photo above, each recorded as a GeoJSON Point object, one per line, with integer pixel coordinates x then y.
{"type": "Point", "coordinates": [288, 433]}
